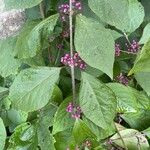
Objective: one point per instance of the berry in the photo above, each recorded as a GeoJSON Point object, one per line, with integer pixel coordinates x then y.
{"type": "Point", "coordinates": [74, 110]}
{"type": "Point", "coordinates": [122, 79]}
{"type": "Point", "coordinates": [134, 47]}
{"type": "Point", "coordinates": [76, 61]}
{"type": "Point", "coordinates": [117, 50]}
{"type": "Point", "coordinates": [65, 8]}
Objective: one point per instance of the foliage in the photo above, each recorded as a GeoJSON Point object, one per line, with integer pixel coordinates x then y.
{"type": "Point", "coordinates": [76, 76]}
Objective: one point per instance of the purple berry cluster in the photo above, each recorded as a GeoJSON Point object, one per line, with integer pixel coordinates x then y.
{"type": "Point", "coordinates": [64, 9]}
{"type": "Point", "coordinates": [134, 47]}
{"type": "Point", "coordinates": [74, 110]}
{"type": "Point", "coordinates": [122, 79]}
{"type": "Point", "coordinates": [76, 61]}
{"type": "Point", "coordinates": [117, 50]}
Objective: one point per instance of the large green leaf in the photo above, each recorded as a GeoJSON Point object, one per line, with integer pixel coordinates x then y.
{"type": "Point", "coordinates": [2, 134]}
{"type": "Point", "coordinates": [146, 34]}
{"type": "Point", "coordinates": [139, 120]}
{"type": "Point", "coordinates": [20, 4]}
{"type": "Point", "coordinates": [46, 116]}
{"type": "Point", "coordinates": [17, 117]}
{"type": "Point", "coordinates": [15, 141]}
{"type": "Point", "coordinates": [95, 44]}
{"type": "Point", "coordinates": [65, 140]}
{"type": "Point", "coordinates": [142, 61]}
{"type": "Point", "coordinates": [126, 15]}
{"type": "Point", "coordinates": [33, 37]}
{"type": "Point", "coordinates": [97, 101]}
{"type": "Point", "coordinates": [82, 132]}
{"type": "Point", "coordinates": [8, 64]}
{"type": "Point", "coordinates": [143, 79]}
{"type": "Point", "coordinates": [133, 139]}
{"type": "Point", "coordinates": [33, 88]}
{"type": "Point", "coordinates": [99, 132]}
{"type": "Point", "coordinates": [128, 99]}
{"type": "Point", "coordinates": [62, 118]}
{"type": "Point", "coordinates": [45, 138]}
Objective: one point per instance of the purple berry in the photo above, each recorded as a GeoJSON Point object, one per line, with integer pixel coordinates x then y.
{"type": "Point", "coordinates": [122, 79]}
{"type": "Point", "coordinates": [74, 110]}
{"type": "Point", "coordinates": [134, 47]}
{"type": "Point", "coordinates": [117, 50]}
{"type": "Point", "coordinates": [76, 61]}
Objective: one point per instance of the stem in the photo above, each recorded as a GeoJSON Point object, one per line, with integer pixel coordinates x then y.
{"type": "Point", "coordinates": [57, 57]}
{"type": "Point", "coordinates": [121, 137]}
{"type": "Point", "coordinates": [128, 52]}
{"type": "Point", "coordinates": [42, 10]}
{"type": "Point", "coordinates": [126, 36]}
{"type": "Point", "coordinates": [71, 49]}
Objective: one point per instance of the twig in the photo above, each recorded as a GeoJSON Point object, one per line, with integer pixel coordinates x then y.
{"type": "Point", "coordinates": [129, 52]}
{"type": "Point", "coordinates": [42, 10]}
{"type": "Point", "coordinates": [71, 49]}
{"type": "Point", "coordinates": [126, 36]}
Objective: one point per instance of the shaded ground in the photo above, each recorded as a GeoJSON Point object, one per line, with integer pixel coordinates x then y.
{"type": "Point", "coordinates": [10, 21]}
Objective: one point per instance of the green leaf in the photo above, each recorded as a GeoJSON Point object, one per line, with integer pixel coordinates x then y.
{"type": "Point", "coordinates": [8, 64]}
{"type": "Point", "coordinates": [65, 140]}
{"type": "Point", "coordinates": [95, 44]}
{"type": "Point", "coordinates": [99, 132]}
{"type": "Point", "coordinates": [17, 117]}
{"type": "Point", "coordinates": [127, 18]}
{"type": "Point", "coordinates": [139, 120]}
{"type": "Point", "coordinates": [82, 132]}
{"type": "Point", "coordinates": [133, 139]}
{"type": "Point", "coordinates": [147, 132]}
{"type": "Point", "coordinates": [57, 95]}
{"type": "Point", "coordinates": [143, 80]}
{"type": "Point", "coordinates": [33, 13]}
{"type": "Point", "coordinates": [129, 99]}
{"type": "Point", "coordinates": [20, 4]}
{"type": "Point", "coordinates": [15, 141]}
{"type": "Point", "coordinates": [45, 139]}
{"type": "Point", "coordinates": [27, 134]}
{"type": "Point", "coordinates": [62, 118]}
{"type": "Point", "coordinates": [22, 49]}
{"type": "Point", "coordinates": [2, 134]}
{"type": "Point", "coordinates": [46, 116]}
{"type": "Point", "coordinates": [97, 101]}
{"type": "Point", "coordinates": [32, 88]}
{"type": "Point", "coordinates": [142, 61]}
{"type": "Point", "coordinates": [146, 34]}
{"type": "Point", "coordinates": [33, 37]}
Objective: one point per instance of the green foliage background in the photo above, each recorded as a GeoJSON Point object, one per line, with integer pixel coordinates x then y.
{"type": "Point", "coordinates": [35, 88]}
